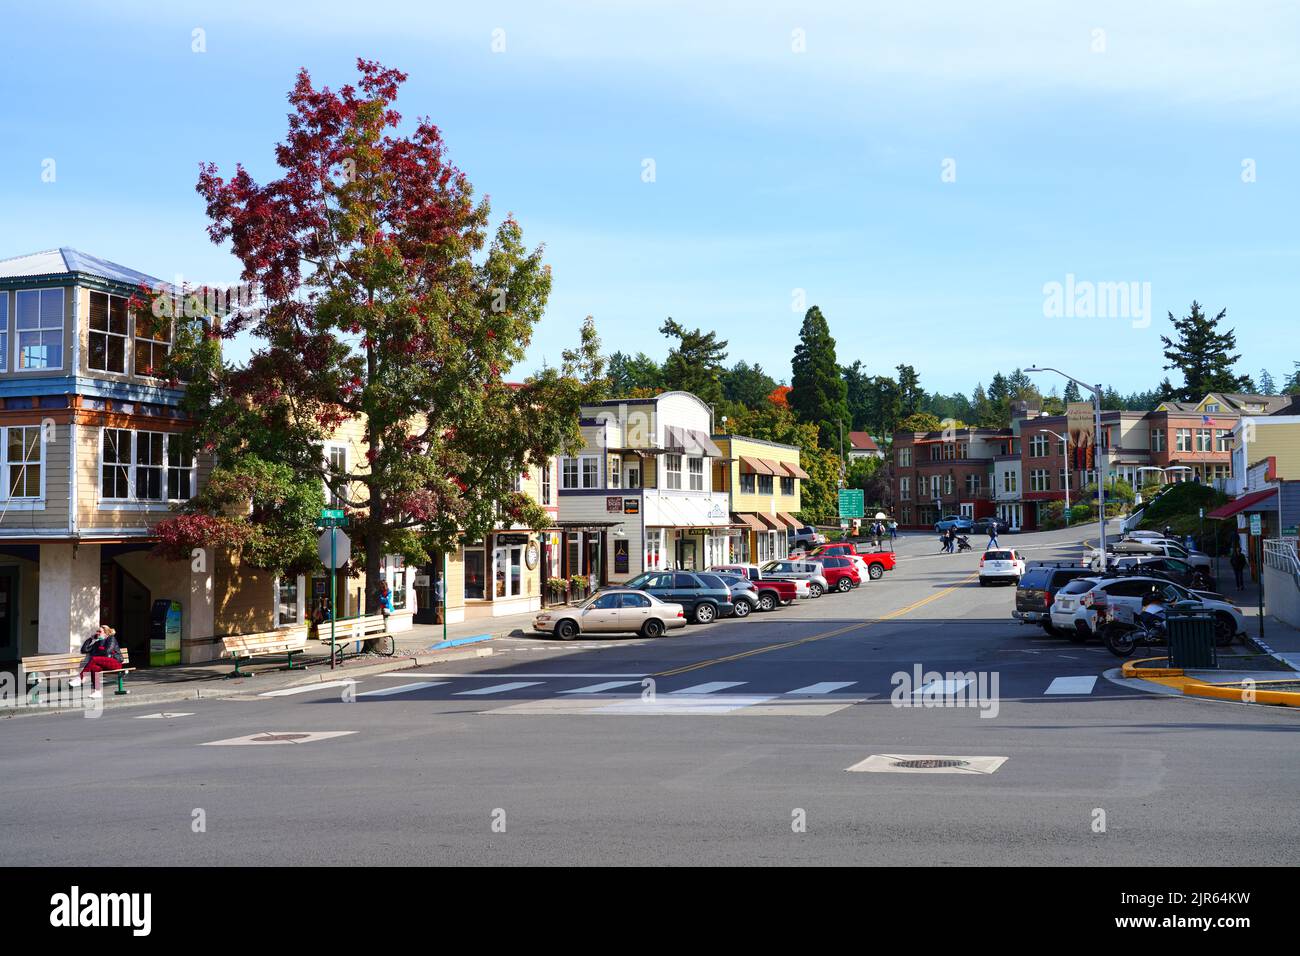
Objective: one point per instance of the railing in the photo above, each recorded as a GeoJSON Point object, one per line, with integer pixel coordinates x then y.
{"type": "Point", "coordinates": [1280, 554]}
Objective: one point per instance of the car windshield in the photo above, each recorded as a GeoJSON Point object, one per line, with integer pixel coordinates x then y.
{"type": "Point", "coordinates": [1079, 586]}
{"type": "Point", "coordinates": [640, 580]}
{"type": "Point", "coordinates": [1035, 578]}
{"type": "Point", "coordinates": [999, 555]}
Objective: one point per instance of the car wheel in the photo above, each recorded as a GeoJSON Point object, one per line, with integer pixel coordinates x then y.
{"type": "Point", "coordinates": [742, 609]}
{"type": "Point", "coordinates": [984, 582]}
{"type": "Point", "coordinates": [652, 628]}
{"type": "Point", "coordinates": [704, 613]}
{"type": "Point", "coordinates": [1080, 633]}
{"type": "Point", "coordinates": [844, 586]}
{"type": "Point", "coordinates": [815, 590]}
{"type": "Point", "coordinates": [766, 602]}
{"type": "Point", "coordinates": [875, 572]}
{"type": "Point", "coordinates": [566, 630]}
{"type": "Point", "coordinates": [1225, 629]}
{"type": "Point", "coordinates": [1050, 630]}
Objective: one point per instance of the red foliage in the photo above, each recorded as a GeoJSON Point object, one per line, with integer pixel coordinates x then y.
{"type": "Point", "coordinates": [780, 396]}
{"type": "Point", "coordinates": [179, 535]}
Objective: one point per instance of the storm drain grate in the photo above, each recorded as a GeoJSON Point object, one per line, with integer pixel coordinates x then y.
{"type": "Point", "coordinates": [930, 764]}
{"type": "Point", "coordinates": [275, 738]}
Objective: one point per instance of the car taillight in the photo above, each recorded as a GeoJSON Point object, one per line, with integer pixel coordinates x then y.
{"type": "Point", "coordinates": [981, 560]}
{"type": "Point", "coordinates": [681, 613]}
{"type": "Point", "coordinates": [1048, 598]}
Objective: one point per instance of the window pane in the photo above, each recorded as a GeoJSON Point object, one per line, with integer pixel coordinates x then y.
{"type": "Point", "coordinates": [29, 310]}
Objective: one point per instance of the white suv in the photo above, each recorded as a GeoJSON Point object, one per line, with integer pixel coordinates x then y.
{"type": "Point", "coordinates": [1001, 564]}
{"type": "Point", "coordinates": [1075, 609]}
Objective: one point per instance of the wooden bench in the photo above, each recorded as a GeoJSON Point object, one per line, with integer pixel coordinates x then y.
{"type": "Point", "coordinates": [242, 648]}
{"type": "Point", "coordinates": [355, 629]}
{"type": "Point", "coordinates": [66, 666]}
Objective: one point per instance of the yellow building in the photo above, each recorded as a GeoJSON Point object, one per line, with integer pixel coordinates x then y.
{"type": "Point", "coordinates": [764, 480]}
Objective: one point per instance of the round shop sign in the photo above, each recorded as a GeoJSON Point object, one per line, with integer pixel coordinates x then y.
{"type": "Point", "coordinates": [531, 555]}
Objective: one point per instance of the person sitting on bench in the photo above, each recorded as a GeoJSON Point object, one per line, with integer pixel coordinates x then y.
{"type": "Point", "coordinates": [103, 653]}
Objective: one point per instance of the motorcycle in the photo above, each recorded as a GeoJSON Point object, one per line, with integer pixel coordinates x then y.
{"type": "Point", "coordinates": [1123, 632]}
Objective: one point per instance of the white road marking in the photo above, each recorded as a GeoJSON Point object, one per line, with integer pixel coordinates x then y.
{"type": "Point", "coordinates": [497, 688]}
{"type": "Point", "coordinates": [885, 763]}
{"type": "Point", "coordinates": [402, 688]}
{"type": "Point", "coordinates": [165, 715]}
{"type": "Point", "coordinates": [1071, 685]}
{"type": "Point", "coordinates": [825, 687]}
{"type": "Point", "coordinates": [601, 688]}
{"type": "Point", "coordinates": [306, 688]}
{"type": "Point", "coordinates": [942, 688]}
{"type": "Point", "coordinates": [498, 676]}
{"type": "Point", "coordinates": [710, 687]}
{"type": "Point", "coordinates": [274, 738]}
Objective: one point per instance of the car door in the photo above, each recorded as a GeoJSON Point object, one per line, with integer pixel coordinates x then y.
{"type": "Point", "coordinates": [602, 614]}
{"type": "Point", "coordinates": [633, 611]}
{"type": "Point", "coordinates": [686, 589]}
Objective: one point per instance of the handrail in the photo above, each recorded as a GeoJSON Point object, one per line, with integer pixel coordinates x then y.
{"type": "Point", "coordinates": [1280, 555]}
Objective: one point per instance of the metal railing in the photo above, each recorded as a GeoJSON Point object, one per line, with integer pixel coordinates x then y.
{"type": "Point", "coordinates": [1280, 554]}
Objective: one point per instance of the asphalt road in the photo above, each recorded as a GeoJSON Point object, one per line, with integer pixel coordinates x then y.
{"type": "Point", "coordinates": [709, 746]}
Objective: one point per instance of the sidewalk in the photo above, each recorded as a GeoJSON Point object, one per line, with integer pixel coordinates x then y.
{"type": "Point", "coordinates": [1280, 639]}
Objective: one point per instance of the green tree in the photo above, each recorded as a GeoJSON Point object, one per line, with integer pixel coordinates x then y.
{"type": "Point", "coordinates": [911, 396]}
{"type": "Point", "coordinates": [1071, 393]}
{"type": "Point", "coordinates": [1266, 384]}
{"type": "Point", "coordinates": [1203, 354]}
{"type": "Point", "coordinates": [858, 387]}
{"type": "Point", "coordinates": [818, 394]}
{"type": "Point", "coordinates": [746, 384]}
{"type": "Point", "coordinates": [694, 364]}
{"type": "Point", "coordinates": [920, 422]}
{"type": "Point", "coordinates": [629, 374]}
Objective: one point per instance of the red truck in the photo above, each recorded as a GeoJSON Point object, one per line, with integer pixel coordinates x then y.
{"type": "Point", "coordinates": [771, 592]}
{"type": "Point", "coordinates": [877, 562]}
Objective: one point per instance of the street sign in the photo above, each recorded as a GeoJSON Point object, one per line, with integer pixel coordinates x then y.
{"type": "Point", "coordinates": [342, 548]}
{"type": "Point", "coordinates": [851, 503]}
{"type": "Point", "coordinates": [331, 513]}
{"type": "Point", "coordinates": [1256, 528]}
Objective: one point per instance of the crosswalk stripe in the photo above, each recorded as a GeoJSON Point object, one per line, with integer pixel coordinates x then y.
{"type": "Point", "coordinates": [710, 687]}
{"type": "Point", "coordinates": [1071, 685]}
{"type": "Point", "coordinates": [601, 688]}
{"type": "Point", "coordinates": [402, 688]}
{"type": "Point", "coordinates": [305, 688]}
{"type": "Point", "coordinates": [497, 688]}
{"type": "Point", "coordinates": [942, 688]}
{"type": "Point", "coordinates": [825, 687]}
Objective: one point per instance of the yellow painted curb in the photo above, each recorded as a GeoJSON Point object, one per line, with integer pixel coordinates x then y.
{"type": "Point", "coordinates": [1131, 669]}
{"type": "Point", "coordinates": [1236, 693]}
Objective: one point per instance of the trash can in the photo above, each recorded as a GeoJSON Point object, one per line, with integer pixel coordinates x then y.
{"type": "Point", "coordinates": [1191, 640]}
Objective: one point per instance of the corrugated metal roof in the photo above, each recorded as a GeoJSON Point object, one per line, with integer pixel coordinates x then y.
{"type": "Point", "coordinates": [65, 261]}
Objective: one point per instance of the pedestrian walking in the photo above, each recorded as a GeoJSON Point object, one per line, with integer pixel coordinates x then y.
{"type": "Point", "coordinates": [893, 530]}
{"type": "Point", "coordinates": [1238, 562]}
{"type": "Point", "coordinates": [103, 653]}
{"type": "Point", "coordinates": [993, 536]}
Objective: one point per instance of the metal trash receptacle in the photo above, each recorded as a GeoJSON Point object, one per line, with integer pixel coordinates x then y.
{"type": "Point", "coordinates": [1191, 640]}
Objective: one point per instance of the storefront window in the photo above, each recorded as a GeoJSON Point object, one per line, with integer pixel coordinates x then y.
{"type": "Point", "coordinates": [474, 574]}
{"type": "Point", "coordinates": [508, 574]}
{"type": "Point", "coordinates": [394, 572]}
{"type": "Point", "coordinates": [286, 602]}
{"type": "Point", "coordinates": [574, 554]}
{"type": "Point", "coordinates": [654, 549]}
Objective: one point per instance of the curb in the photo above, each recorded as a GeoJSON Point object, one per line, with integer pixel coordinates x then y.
{"type": "Point", "coordinates": [1235, 694]}
{"type": "Point", "coordinates": [1130, 669]}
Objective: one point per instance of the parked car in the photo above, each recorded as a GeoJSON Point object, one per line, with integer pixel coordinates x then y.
{"type": "Point", "coordinates": [960, 522]}
{"type": "Point", "coordinates": [876, 562]}
{"type": "Point", "coordinates": [1074, 610]}
{"type": "Point", "coordinates": [841, 573]}
{"type": "Point", "coordinates": [744, 595]}
{"type": "Point", "coordinates": [1148, 547]}
{"type": "Point", "coordinates": [1037, 589]}
{"type": "Point", "coordinates": [983, 525]}
{"type": "Point", "coordinates": [1175, 569]}
{"type": "Point", "coordinates": [1001, 564]}
{"type": "Point", "coordinates": [805, 536]}
{"type": "Point", "coordinates": [793, 570]}
{"type": "Point", "coordinates": [613, 610]}
{"type": "Point", "coordinates": [772, 593]}
{"type": "Point", "coordinates": [704, 596]}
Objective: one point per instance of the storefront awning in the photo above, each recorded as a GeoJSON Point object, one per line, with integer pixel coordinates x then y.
{"type": "Point", "coordinates": [755, 466]}
{"type": "Point", "coordinates": [790, 520]}
{"type": "Point", "coordinates": [772, 523]}
{"type": "Point", "coordinates": [1244, 503]}
{"type": "Point", "coordinates": [748, 520]}
{"type": "Point", "coordinates": [794, 470]}
{"type": "Point", "coordinates": [688, 441]}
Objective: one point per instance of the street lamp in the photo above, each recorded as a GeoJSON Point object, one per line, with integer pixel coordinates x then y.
{"type": "Point", "coordinates": [1065, 443]}
{"type": "Point", "coordinates": [1101, 487]}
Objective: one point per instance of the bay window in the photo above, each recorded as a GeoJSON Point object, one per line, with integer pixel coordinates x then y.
{"type": "Point", "coordinates": [40, 328]}
{"type": "Point", "coordinates": [108, 333]}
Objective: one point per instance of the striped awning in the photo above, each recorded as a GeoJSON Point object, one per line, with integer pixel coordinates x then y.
{"type": "Point", "coordinates": [748, 520]}
{"type": "Point", "coordinates": [756, 466]}
{"type": "Point", "coordinates": [790, 520]}
{"type": "Point", "coordinates": [794, 470]}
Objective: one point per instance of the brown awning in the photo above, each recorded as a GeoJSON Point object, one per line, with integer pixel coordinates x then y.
{"type": "Point", "coordinates": [774, 467]}
{"type": "Point", "coordinates": [794, 470]}
{"type": "Point", "coordinates": [756, 466]}
{"type": "Point", "coordinates": [688, 441]}
{"type": "Point", "coordinates": [747, 520]}
{"type": "Point", "coordinates": [791, 520]}
{"type": "Point", "coordinates": [772, 523]}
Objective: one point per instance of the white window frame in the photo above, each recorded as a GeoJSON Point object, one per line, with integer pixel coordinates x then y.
{"type": "Point", "coordinates": [331, 500]}
{"type": "Point", "coordinates": [547, 488]}
{"type": "Point", "coordinates": [40, 329]}
{"type": "Point", "coordinates": [1157, 439]}
{"type": "Point", "coordinates": [905, 488]}
{"type": "Point", "coordinates": [109, 334]}
{"type": "Point", "coordinates": [301, 607]}
{"type": "Point", "coordinates": [615, 472]}
{"type": "Point", "coordinates": [1179, 443]}
{"type": "Point", "coordinates": [565, 464]}
{"type": "Point", "coordinates": [594, 481]}
{"type": "Point", "coordinates": [695, 473]}
{"type": "Point", "coordinates": [23, 502]}
{"type": "Point", "coordinates": [673, 475]}
{"type": "Point", "coordinates": [4, 330]}
{"type": "Point", "coordinates": [133, 502]}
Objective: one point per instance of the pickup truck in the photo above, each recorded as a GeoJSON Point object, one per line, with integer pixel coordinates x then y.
{"type": "Point", "coordinates": [772, 592]}
{"type": "Point", "coordinates": [877, 562]}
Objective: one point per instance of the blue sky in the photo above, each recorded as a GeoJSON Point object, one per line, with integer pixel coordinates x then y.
{"type": "Point", "coordinates": [1113, 156]}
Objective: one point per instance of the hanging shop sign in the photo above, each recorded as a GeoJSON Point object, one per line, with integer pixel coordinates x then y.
{"type": "Point", "coordinates": [504, 539]}
{"type": "Point", "coordinates": [532, 555]}
{"type": "Point", "coordinates": [631, 506]}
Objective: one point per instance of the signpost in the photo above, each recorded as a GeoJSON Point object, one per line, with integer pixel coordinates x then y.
{"type": "Point", "coordinates": [851, 503]}
{"type": "Point", "coordinates": [334, 548]}
{"type": "Point", "coordinates": [1256, 532]}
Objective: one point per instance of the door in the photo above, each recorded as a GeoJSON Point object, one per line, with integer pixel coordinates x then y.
{"type": "Point", "coordinates": [602, 614]}
{"type": "Point", "coordinates": [634, 610]}
{"type": "Point", "coordinates": [133, 633]}
{"type": "Point", "coordinates": [9, 649]}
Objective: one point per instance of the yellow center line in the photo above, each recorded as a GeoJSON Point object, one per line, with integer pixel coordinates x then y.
{"type": "Point", "coordinates": [822, 636]}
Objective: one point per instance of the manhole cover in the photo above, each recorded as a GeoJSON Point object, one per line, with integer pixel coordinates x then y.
{"type": "Point", "coordinates": [930, 764]}
{"type": "Point", "coordinates": [275, 738]}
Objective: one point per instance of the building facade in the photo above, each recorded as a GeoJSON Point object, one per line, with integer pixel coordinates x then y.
{"type": "Point", "coordinates": [765, 482]}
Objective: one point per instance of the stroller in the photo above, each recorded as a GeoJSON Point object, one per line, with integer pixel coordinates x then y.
{"type": "Point", "coordinates": [963, 543]}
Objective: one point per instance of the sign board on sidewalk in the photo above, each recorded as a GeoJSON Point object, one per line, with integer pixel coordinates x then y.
{"type": "Point", "coordinates": [342, 548]}
{"type": "Point", "coordinates": [1256, 528]}
{"type": "Point", "coordinates": [851, 503]}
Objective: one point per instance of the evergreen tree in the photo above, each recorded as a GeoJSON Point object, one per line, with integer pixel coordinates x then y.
{"type": "Point", "coordinates": [858, 385]}
{"type": "Point", "coordinates": [634, 374]}
{"type": "Point", "coordinates": [694, 364]}
{"type": "Point", "coordinates": [1266, 384]}
{"type": "Point", "coordinates": [818, 394]}
{"type": "Point", "coordinates": [911, 396]}
{"type": "Point", "coordinates": [746, 384]}
{"type": "Point", "coordinates": [1292, 384]}
{"type": "Point", "coordinates": [1071, 393]}
{"type": "Point", "coordinates": [1203, 354]}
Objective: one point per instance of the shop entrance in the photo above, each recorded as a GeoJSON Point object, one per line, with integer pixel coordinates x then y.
{"type": "Point", "coordinates": [9, 650]}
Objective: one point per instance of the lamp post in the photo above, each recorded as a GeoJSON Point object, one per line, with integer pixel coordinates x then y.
{"type": "Point", "coordinates": [1065, 442]}
{"type": "Point", "coordinates": [1101, 487]}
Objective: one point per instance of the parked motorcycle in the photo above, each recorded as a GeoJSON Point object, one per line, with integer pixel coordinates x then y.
{"type": "Point", "coordinates": [1123, 632]}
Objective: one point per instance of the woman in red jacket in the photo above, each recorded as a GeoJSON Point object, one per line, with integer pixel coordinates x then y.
{"type": "Point", "coordinates": [103, 653]}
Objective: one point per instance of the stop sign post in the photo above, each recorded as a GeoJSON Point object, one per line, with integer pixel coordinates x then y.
{"type": "Point", "coordinates": [334, 548]}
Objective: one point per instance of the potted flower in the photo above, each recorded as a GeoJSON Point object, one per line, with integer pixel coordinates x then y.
{"type": "Point", "coordinates": [579, 584]}
{"type": "Point", "coordinates": [557, 587]}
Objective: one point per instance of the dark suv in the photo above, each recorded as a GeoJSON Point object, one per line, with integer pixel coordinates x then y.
{"type": "Point", "coordinates": [703, 596]}
{"type": "Point", "coordinates": [1037, 589]}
